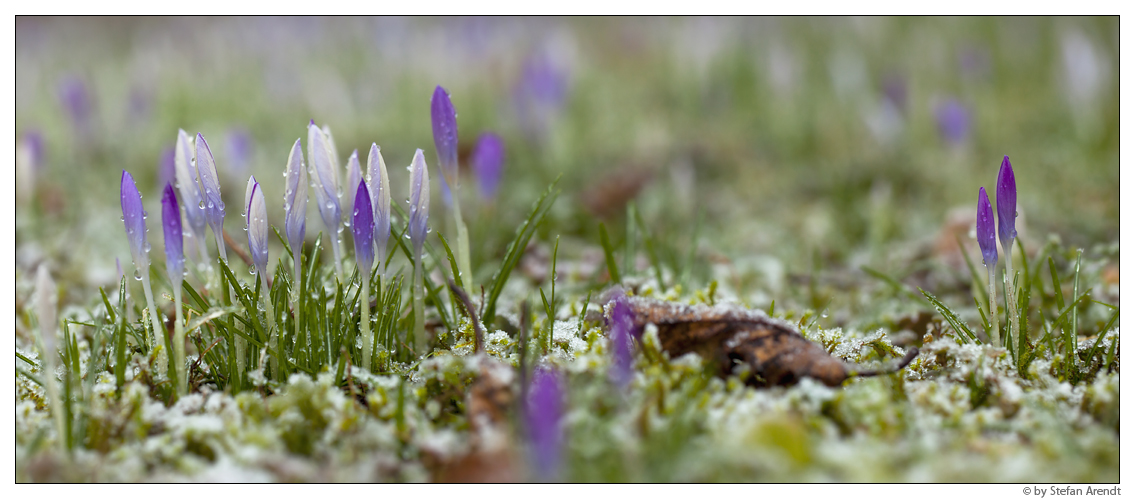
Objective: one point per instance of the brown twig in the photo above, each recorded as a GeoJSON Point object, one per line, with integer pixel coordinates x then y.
{"type": "Point", "coordinates": [479, 335]}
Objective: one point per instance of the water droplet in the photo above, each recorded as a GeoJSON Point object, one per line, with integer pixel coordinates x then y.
{"type": "Point", "coordinates": [137, 275]}
{"type": "Point", "coordinates": [407, 236]}
{"type": "Point", "coordinates": [122, 218]}
{"type": "Point", "coordinates": [252, 269]}
{"type": "Point", "coordinates": [146, 247]}
{"type": "Point", "coordinates": [210, 205]}
{"type": "Point", "coordinates": [429, 230]}
{"type": "Point", "coordinates": [201, 204]}
{"type": "Point", "coordinates": [329, 205]}
{"type": "Point", "coordinates": [285, 174]}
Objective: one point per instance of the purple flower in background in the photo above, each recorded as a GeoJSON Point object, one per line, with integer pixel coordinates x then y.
{"type": "Point", "coordinates": [419, 201]}
{"type": "Point", "coordinates": [171, 230]}
{"type": "Point", "coordinates": [134, 218]}
{"type": "Point", "coordinates": [544, 415]}
{"type": "Point", "coordinates": [33, 140]}
{"type": "Point", "coordinates": [986, 237]}
{"type": "Point", "coordinates": [239, 143]}
{"type": "Point", "coordinates": [1006, 206]}
{"type": "Point", "coordinates": [444, 119]}
{"type": "Point", "coordinates": [295, 199]}
{"type": "Point", "coordinates": [621, 323]}
{"type": "Point", "coordinates": [256, 222]}
{"type": "Point", "coordinates": [76, 101]}
{"type": "Point", "coordinates": [895, 90]}
{"type": "Point", "coordinates": [379, 189]}
{"type": "Point", "coordinates": [539, 93]}
{"type": "Point", "coordinates": [487, 162]}
{"type": "Point", "coordinates": [362, 228]}
{"type": "Point", "coordinates": [953, 121]}
{"type": "Point", "coordinates": [211, 185]}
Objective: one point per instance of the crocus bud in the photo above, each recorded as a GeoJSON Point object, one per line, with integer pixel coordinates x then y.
{"type": "Point", "coordinates": [135, 220]}
{"type": "Point", "coordinates": [185, 171]}
{"type": "Point", "coordinates": [545, 411]}
{"type": "Point", "coordinates": [444, 119]}
{"type": "Point", "coordinates": [419, 201]}
{"type": "Point", "coordinates": [354, 176]}
{"type": "Point", "coordinates": [295, 199]}
{"type": "Point", "coordinates": [46, 293]}
{"type": "Point", "coordinates": [621, 322]}
{"type": "Point", "coordinates": [211, 185]}
{"type": "Point", "coordinates": [379, 189]}
{"type": "Point", "coordinates": [256, 220]}
{"type": "Point", "coordinates": [1006, 205]}
{"type": "Point", "coordinates": [325, 175]}
{"type": "Point", "coordinates": [986, 237]}
{"type": "Point", "coordinates": [171, 229]}
{"type": "Point", "coordinates": [362, 228]}
{"type": "Point", "coordinates": [488, 158]}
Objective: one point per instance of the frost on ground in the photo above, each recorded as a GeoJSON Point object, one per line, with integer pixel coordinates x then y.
{"type": "Point", "coordinates": [957, 413]}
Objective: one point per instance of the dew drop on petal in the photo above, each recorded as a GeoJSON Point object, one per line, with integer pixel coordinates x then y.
{"type": "Point", "coordinates": [137, 275]}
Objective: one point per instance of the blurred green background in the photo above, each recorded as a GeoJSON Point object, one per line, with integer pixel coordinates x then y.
{"type": "Point", "coordinates": [807, 142]}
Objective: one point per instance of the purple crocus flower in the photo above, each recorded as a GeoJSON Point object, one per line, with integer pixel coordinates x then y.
{"type": "Point", "coordinates": [354, 176]}
{"type": "Point", "coordinates": [76, 101]}
{"type": "Point", "coordinates": [985, 232]}
{"type": "Point", "coordinates": [211, 185]}
{"type": "Point", "coordinates": [444, 119]}
{"type": "Point", "coordinates": [325, 175]}
{"type": "Point", "coordinates": [487, 162]}
{"type": "Point", "coordinates": [171, 229]}
{"type": "Point", "coordinates": [134, 218]}
{"type": "Point", "coordinates": [240, 150]}
{"type": "Point", "coordinates": [953, 121]}
{"type": "Point", "coordinates": [544, 416]}
{"type": "Point", "coordinates": [1006, 205]}
{"type": "Point", "coordinates": [295, 199]}
{"type": "Point", "coordinates": [538, 95]}
{"type": "Point", "coordinates": [33, 140]}
{"type": "Point", "coordinates": [185, 170]}
{"type": "Point", "coordinates": [362, 228]}
{"type": "Point", "coordinates": [256, 223]}
{"type": "Point", "coordinates": [419, 201]}
{"type": "Point", "coordinates": [379, 189]}
{"type": "Point", "coordinates": [621, 322]}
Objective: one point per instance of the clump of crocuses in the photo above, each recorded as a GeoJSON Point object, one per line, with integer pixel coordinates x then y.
{"type": "Point", "coordinates": [1006, 232]}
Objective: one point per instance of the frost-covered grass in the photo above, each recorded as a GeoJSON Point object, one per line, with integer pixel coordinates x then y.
{"type": "Point", "coordinates": [770, 164]}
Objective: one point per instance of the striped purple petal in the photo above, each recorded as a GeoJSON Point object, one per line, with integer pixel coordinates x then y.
{"type": "Point", "coordinates": [444, 119]}
{"type": "Point", "coordinates": [171, 230]}
{"type": "Point", "coordinates": [362, 228]}
{"type": "Point", "coordinates": [1006, 205]}
{"type": "Point", "coordinates": [134, 218]}
{"type": "Point", "coordinates": [986, 237]}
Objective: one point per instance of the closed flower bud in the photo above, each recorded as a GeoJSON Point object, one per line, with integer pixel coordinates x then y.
{"type": "Point", "coordinates": [444, 119]}
{"type": "Point", "coordinates": [256, 220]}
{"type": "Point", "coordinates": [171, 230]}
{"type": "Point", "coordinates": [419, 201]}
{"type": "Point", "coordinates": [134, 218]}
{"type": "Point", "coordinates": [325, 175]}
{"type": "Point", "coordinates": [379, 188]}
{"type": "Point", "coordinates": [211, 185]}
{"type": "Point", "coordinates": [354, 176]}
{"type": "Point", "coordinates": [1006, 205]}
{"type": "Point", "coordinates": [986, 238]}
{"type": "Point", "coordinates": [362, 228]}
{"type": "Point", "coordinates": [185, 170]}
{"type": "Point", "coordinates": [295, 199]}
{"type": "Point", "coordinates": [621, 323]}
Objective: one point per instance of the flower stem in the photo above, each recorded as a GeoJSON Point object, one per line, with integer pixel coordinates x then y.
{"type": "Point", "coordinates": [1011, 298]}
{"type": "Point", "coordinates": [302, 346]}
{"type": "Point", "coordinates": [464, 264]}
{"type": "Point", "coordinates": [368, 337]}
{"type": "Point", "coordinates": [179, 344]}
{"type": "Point", "coordinates": [994, 327]}
{"type": "Point", "coordinates": [335, 254]}
{"type": "Point", "coordinates": [419, 305]}
{"type": "Point", "coordinates": [163, 356]}
{"type": "Point", "coordinates": [269, 325]}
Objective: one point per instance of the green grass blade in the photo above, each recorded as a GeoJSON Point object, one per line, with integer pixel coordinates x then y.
{"type": "Point", "coordinates": [648, 243]}
{"type": "Point", "coordinates": [900, 287]}
{"type": "Point", "coordinates": [978, 285]}
{"type": "Point", "coordinates": [516, 248]}
{"type": "Point", "coordinates": [1102, 333]}
{"type": "Point", "coordinates": [452, 262]}
{"type": "Point", "coordinates": [1057, 290]}
{"type": "Point", "coordinates": [952, 318]}
{"type": "Point", "coordinates": [583, 311]}
{"type": "Point", "coordinates": [609, 253]}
